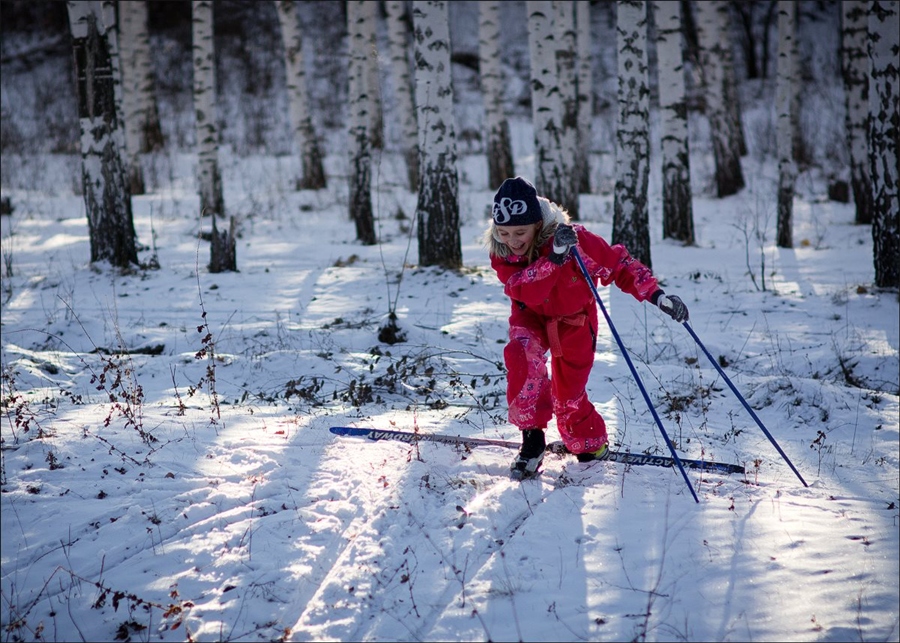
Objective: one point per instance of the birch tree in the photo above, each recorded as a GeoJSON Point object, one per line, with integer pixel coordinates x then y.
{"type": "Point", "coordinates": [496, 126]}
{"type": "Point", "coordinates": [585, 96]}
{"type": "Point", "coordinates": [398, 30]}
{"type": "Point", "coordinates": [855, 72]}
{"type": "Point", "coordinates": [546, 107]}
{"type": "Point", "coordinates": [358, 124]}
{"type": "Point", "coordinates": [884, 130]}
{"type": "Point", "coordinates": [107, 198]}
{"type": "Point", "coordinates": [630, 213]}
{"type": "Point", "coordinates": [437, 211]}
{"type": "Point", "coordinates": [312, 172]}
{"type": "Point", "coordinates": [785, 123]}
{"type": "Point", "coordinates": [677, 201]}
{"type": "Point", "coordinates": [566, 59]}
{"type": "Point", "coordinates": [142, 129]}
{"type": "Point", "coordinates": [205, 112]}
{"type": "Point", "coordinates": [373, 75]}
{"type": "Point", "coordinates": [729, 176]}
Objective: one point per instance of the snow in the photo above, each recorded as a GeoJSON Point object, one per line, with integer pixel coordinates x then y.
{"type": "Point", "coordinates": [212, 497]}
{"type": "Point", "coordinates": [197, 494]}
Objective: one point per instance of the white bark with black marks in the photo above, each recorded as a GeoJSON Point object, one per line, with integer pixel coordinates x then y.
{"type": "Point", "coordinates": [855, 71]}
{"type": "Point", "coordinates": [359, 107]}
{"type": "Point", "coordinates": [496, 126]}
{"type": "Point", "coordinates": [398, 31]}
{"type": "Point", "coordinates": [677, 199]}
{"type": "Point", "coordinates": [209, 177]}
{"type": "Point", "coordinates": [785, 123]}
{"type": "Point", "coordinates": [143, 132]}
{"type": "Point", "coordinates": [729, 175]}
{"type": "Point", "coordinates": [437, 210]}
{"type": "Point", "coordinates": [566, 72]}
{"type": "Point", "coordinates": [884, 130]}
{"type": "Point", "coordinates": [550, 178]}
{"type": "Point", "coordinates": [107, 198]}
{"type": "Point", "coordinates": [630, 213]}
{"type": "Point", "coordinates": [585, 94]}
{"type": "Point", "coordinates": [306, 142]}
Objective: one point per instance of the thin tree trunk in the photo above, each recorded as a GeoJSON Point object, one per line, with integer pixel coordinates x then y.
{"type": "Point", "coordinates": [107, 199]}
{"type": "Point", "coordinates": [729, 175]}
{"type": "Point", "coordinates": [630, 214]}
{"type": "Point", "coordinates": [546, 108]}
{"type": "Point", "coordinates": [855, 68]}
{"type": "Point", "coordinates": [884, 124]}
{"type": "Point", "coordinates": [209, 177]}
{"type": "Point", "coordinates": [730, 84]}
{"type": "Point", "coordinates": [359, 122]}
{"type": "Point", "coordinates": [437, 211]}
{"type": "Point", "coordinates": [585, 94]}
{"type": "Point", "coordinates": [373, 76]}
{"type": "Point", "coordinates": [312, 172]}
{"type": "Point", "coordinates": [398, 28]}
{"type": "Point", "coordinates": [678, 214]}
{"type": "Point", "coordinates": [499, 145]}
{"type": "Point", "coordinates": [785, 124]}
{"type": "Point", "coordinates": [142, 129]}
{"type": "Point", "coordinates": [566, 58]}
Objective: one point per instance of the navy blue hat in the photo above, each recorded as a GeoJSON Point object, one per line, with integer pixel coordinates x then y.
{"type": "Point", "coordinates": [516, 203]}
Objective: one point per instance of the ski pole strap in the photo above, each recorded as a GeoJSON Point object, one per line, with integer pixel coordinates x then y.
{"type": "Point", "coordinates": [744, 402]}
{"type": "Point", "coordinates": [634, 372]}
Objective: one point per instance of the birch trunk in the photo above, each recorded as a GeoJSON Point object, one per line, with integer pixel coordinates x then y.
{"type": "Point", "coordinates": [398, 38]}
{"type": "Point", "coordinates": [107, 199]}
{"type": "Point", "coordinates": [884, 125]}
{"type": "Point", "coordinates": [206, 115]}
{"type": "Point", "coordinates": [566, 58]}
{"type": "Point", "coordinates": [729, 176]}
{"type": "Point", "coordinates": [678, 213]}
{"type": "Point", "coordinates": [785, 124]}
{"type": "Point", "coordinates": [437, 211]}
{"type": "Point", "coordinates": [546, 107]}
{"type": "Point", "coordinates": [358, 123]}
{"type": "Point", "coordinates": [142, 128]}
{"type": "Point", "coordinates": [499, 145]}
{"type": "Point", "coordinates": [855, 70]}
{"type": "Point", "coordinates": [312, 172]}
{"type": "Point", "coordinates": [373, 75]}
{"type": "Point", "coordinates": [585, 94]}
{"type": "Point", "coordinates": [630, 215]}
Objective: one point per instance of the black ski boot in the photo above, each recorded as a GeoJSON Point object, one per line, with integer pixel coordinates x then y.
{"type": "Point", "coordinates": [530, 456]}
{"type": "Point", "coordinates": [599, 454]}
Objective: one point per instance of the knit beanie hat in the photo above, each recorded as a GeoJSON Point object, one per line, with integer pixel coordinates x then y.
{"type": "Point", "coordinates": [516, 203]}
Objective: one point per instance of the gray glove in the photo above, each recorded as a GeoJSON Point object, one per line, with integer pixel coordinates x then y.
{"type": "Point", "coordinates": [673, 307]}
{"type": "Point", "coordinates": [564, 239]}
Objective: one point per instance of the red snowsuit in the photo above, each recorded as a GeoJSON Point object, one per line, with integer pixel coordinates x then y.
{"type": "Point", "coordinates": [553, 309]}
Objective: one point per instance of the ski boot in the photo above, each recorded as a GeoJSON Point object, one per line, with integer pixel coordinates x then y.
{"type": "Point", "coordinates": [599, 454]}
{"type": "Point", "coordinates": [530, 457]}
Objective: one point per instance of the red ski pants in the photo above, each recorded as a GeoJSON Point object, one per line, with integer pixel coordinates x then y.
{"type": "Point", "coordinates": [533, 396]}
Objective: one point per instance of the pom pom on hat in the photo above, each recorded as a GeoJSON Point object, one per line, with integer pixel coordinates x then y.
{"type": "Point", "coordinates": [516, 203]}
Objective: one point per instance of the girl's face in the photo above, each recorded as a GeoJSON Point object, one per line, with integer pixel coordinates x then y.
{"type": "Point", "coordinates": [518, 238]}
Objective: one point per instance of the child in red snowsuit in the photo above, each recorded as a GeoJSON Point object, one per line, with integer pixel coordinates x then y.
{"type": "Point", "coordinates": [553, 309]}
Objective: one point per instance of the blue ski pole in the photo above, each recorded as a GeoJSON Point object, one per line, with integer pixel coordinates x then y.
{"type": "Point", "coordinates": [744, 402]}
{"type": "Point", "coordinates": [637, 378]}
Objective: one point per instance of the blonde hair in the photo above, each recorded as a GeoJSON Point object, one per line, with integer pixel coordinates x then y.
{"type": "Point", "coordinates": [552, 216]}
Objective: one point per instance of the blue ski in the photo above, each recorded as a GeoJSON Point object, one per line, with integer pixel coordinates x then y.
{"type": "Point", "coordinates": [555, 447]}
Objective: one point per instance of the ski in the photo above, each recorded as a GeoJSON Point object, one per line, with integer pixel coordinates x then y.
{"type": "Point", "coordinates": [623, 457]}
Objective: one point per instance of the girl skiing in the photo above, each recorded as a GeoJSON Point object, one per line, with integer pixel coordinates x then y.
{"type": "Point", "coordinates": [553, 310]}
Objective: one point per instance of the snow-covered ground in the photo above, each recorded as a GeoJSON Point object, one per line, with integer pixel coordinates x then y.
{"type": "Point", "coordinates": [196, 492]}
{"type": "Point", "coordinates": [168, 473]}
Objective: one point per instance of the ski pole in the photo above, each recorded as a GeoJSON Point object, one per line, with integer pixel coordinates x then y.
{"type": "Point", "coordinates": [744, 402]}
{"type": "Point", "coordinates": [634, 372]}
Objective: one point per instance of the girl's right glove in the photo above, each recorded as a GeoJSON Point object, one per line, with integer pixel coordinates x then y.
{"type": "Point", "coordinates": [673, 307]}
{"type": "Point", "coordinates": [564, 239]}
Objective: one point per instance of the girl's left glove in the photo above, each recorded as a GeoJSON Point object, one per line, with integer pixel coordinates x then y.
{"type": "Point", "coordinates": [673, 307]}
